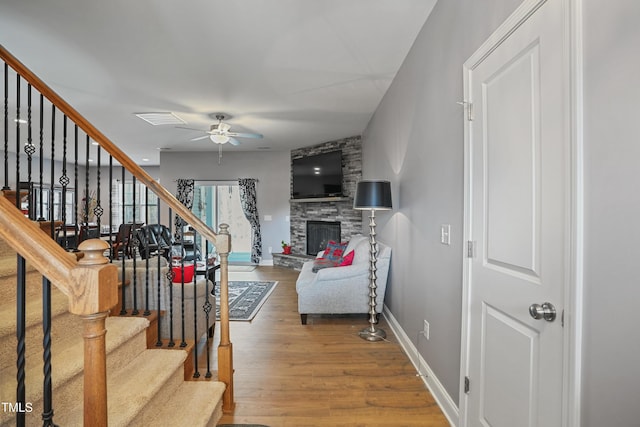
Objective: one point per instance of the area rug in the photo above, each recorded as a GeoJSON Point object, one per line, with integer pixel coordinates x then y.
{"type": "Point", "coordinates": [245, 298]}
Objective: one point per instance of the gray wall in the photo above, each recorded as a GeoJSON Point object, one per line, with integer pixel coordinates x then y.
{"type": "Point", "coordinates": [271, 169]}
{"type": "Point", "coordinates": [415, 140]}
{"type": "Point", "coordinates": [612, 209]}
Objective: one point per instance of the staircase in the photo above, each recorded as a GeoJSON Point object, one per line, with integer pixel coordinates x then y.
{"type": "Point", "coordinates": [145, 386]}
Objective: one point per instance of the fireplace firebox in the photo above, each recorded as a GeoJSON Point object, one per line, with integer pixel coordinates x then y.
{"type": "Point", "coordinates": [319, 233]}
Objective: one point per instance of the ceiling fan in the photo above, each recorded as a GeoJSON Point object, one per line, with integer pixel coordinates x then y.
{"type": "Point", "coordinates": [220, 133]}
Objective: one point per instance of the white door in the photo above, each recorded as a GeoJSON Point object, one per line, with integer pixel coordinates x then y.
{"type": "Point", "coordinates": [518, 216]}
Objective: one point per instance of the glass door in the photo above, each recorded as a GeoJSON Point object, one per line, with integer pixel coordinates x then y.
{"type": "Point", "coordinates": [218, 203]}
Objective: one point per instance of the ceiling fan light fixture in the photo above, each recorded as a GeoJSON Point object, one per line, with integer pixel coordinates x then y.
{"type": "Point", "coordinates": [219, 139]}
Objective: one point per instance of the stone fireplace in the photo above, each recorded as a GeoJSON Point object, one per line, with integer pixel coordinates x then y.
{"type": "Point", "coordinates": [332, 209]}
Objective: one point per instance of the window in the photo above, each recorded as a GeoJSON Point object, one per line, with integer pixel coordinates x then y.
{"type": "Point", "coordinates": [145, 208]}
{"type": "Point", "coordinates": [55, 211]}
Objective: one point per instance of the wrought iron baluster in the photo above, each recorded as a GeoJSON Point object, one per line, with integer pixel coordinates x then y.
{"type": "Point", "coordinates": [159, 281]}
{"type": "Point", "coordinates": [18, 142]}
{"type": "Point", "coordinates": [6, 127]}
{"type": "Point", "coordinates": [47, 392]}
{"type": "Point", "coordinates": [21, 331]}
{"type": "Point", "coordinates": [147, 312]}
{"type": "Point", "coordinates": [135, 310]}
{"type": "Point", "coordinates": [206, 307]}
{"type": "Point", "coordinates": [64, 182]}
{"type": "Point", "coordinates": [123, 310]}
{"type": "Point", "coordinates": [29, 150]}
{"type": "Point", "coordinates": [41, 172]}
{"type": "Point", "coordinates": [183, 343]}
{"type": "Point", "coordinates": [196, 374]}
{"type": "Point", "coordinates": [97, 210]}
{"type": "Point", "coordinates": [171, 276]}
{"type": "Point", "coordinates": [50, 214]}
{"type": "Point", "coordinates": [76, 177]}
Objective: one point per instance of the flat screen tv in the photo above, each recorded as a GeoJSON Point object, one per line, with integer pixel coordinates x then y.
{"type": "Point", "coordinates": [317, 176]}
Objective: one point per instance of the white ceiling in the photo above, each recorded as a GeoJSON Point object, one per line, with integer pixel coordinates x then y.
{"type": "Point", "coordinates": [300, 72]}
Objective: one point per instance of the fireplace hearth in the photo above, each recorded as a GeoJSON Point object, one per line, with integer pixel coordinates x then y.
{"type": "Point", "coordinates": [319, 233]}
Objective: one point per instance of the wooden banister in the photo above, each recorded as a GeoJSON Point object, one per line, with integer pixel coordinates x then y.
{"type": "Point", "coordinates": [92, 289]}
{"type": "Point", "coordinates": [140, 174]}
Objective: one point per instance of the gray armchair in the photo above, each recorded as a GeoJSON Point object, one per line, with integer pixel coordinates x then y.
{"type": "Point", "coordinates": [343, 290]}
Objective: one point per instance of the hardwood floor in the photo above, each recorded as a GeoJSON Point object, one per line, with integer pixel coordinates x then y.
{"type": "Point", "coordinates": [321, 374]}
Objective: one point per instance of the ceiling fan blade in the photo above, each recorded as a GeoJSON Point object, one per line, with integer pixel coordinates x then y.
{"type": "Point", "coordinates": [245, 135]}
{"type": "Point", "coordinates": [233, 141]}
{"type": "Point", "coordinates": [183, 127]}
{"type": "Point", "coordinates": [198, 138]}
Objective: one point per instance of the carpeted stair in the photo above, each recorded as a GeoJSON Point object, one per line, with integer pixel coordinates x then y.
{"type": "Point", "coordinates": [145, 386]}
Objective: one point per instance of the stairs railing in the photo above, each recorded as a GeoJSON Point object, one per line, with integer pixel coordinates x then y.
{"type": "Point", "coordinates": [32, 143]}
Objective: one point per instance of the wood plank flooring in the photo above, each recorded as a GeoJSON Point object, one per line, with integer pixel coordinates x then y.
{"type": "Point", "coordinates": [321, 374]}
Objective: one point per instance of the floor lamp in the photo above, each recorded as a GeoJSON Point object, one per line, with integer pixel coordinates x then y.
{"type": "Point", "coordinates": [373, 196]}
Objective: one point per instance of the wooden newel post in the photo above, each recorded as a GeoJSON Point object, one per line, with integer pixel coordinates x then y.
{"type": "Point", "coordinates": [225, 348]}
{"type": "Point", "coordinates": [96, 292]}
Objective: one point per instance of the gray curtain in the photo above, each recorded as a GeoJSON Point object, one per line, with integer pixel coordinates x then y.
{"type": "Point", "coordinates": [184, 196]}
{"type": "Point", "coordinates": [248, 200]}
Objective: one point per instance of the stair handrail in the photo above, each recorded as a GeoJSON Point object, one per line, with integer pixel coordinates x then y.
{"type": "Point", "coordinates": [221, 243]}
{"type": "Point", "coordinates": [91, 288]}
{"type": "Point", "coordinates": [222, 240]}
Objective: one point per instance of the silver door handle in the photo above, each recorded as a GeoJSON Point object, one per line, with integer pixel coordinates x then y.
{"type": "Point", "coordinates": [545, 311]}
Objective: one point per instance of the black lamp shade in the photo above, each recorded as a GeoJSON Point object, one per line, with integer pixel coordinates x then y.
{"type": "Point", "coordinates": [373, 195]}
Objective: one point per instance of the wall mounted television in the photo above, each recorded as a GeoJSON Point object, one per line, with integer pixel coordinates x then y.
{"type": "Point", "coordinates": [317, 176]}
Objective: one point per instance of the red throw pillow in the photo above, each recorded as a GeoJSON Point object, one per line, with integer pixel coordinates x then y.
{"type": "Point", "coordinates": [334, 250]}
{"type": "Point", "coordinates": [347, 260]}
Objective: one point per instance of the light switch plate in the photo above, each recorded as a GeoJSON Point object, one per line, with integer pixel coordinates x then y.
{"type": "Point", "coordinates": [445, 234]}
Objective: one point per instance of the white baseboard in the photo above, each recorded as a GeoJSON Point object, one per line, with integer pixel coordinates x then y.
{"type": "Point", "coordinates": [436, 388]}
{"type": "Point", "coordinates": [266, 262]}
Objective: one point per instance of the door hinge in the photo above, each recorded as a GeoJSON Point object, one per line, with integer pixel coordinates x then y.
{"type": "Point", "coordinates": [469, 106]}
{"type": "Point", "coordinates": [467, 385]}
{"type": "Point", "coordinates": [470, 251]}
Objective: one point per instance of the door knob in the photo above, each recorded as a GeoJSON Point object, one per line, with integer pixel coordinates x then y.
{"type": "Point", "coordinates": [545, 311]}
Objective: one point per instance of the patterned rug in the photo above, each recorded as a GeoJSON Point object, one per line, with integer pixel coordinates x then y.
{"type": "Point", "coordinates": [245, 298]}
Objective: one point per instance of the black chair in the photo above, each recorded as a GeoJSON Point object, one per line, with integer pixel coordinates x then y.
{"type": "Point", "coordinates": [89, 231]}
{"type": "Point", "coordinates": [67, 236]}
{"type": "Point", "coordinates": [153, 239]}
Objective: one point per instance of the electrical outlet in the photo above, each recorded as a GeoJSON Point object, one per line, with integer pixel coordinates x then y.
{"type": "Point", "coordinates": [425, 329]}
{"type": "Point", "coordinates": [270, 249]}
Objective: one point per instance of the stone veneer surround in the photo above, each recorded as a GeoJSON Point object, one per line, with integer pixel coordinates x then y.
{"type": "Point", "coordinates": [334, 209]}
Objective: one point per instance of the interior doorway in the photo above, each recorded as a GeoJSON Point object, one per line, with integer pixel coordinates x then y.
{"type": "Point", "coordinates": [218, 202]}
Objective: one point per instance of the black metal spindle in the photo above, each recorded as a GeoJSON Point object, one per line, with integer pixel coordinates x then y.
{"type": "Point", "coordinates": [21, 331]}
{"type": "Point", "coordinates": [159, 282]}
{"type": "Point", "coordinates": [47, 392]}
{"type": "Point", "coordinates": [196, 374]}
{"type": "Point", "coordinates": [6, 127]}
{"type": "Point", "coordinates": [135, 310]}
{"type": "Point", "coordinates": [171, 275]}
{"type": "Point", "coordinates": [97, 210]}
{"type": "Point", "coordinates": [50, 215]}
{"type": "Point", "coordinates": [183, 343]}
{"type": "Point", "coordinates": [41, 216]}
{"type": "Point", "coordinates": [18, 142]}
{"type": "Point", "coordinates": [85, 208]}
{"type": "Point", "coordinates": [29, 150]}
{"type": "Point", "coordinates": [123, 309]}
{"type": "Point", "coordinates": [147, 312]}
{"type": "Point", "coordinates": [111, 208]}
{"type": "Point", "coordinates": [206, 307]}
{"type": "Point", "coordinates": [64, 182]}
{"type": "Point", "coordinates": [76, 177]}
